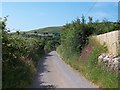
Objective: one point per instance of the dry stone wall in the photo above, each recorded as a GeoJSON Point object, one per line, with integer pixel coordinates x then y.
{"type": "Point", "coordinates": [111, 60]}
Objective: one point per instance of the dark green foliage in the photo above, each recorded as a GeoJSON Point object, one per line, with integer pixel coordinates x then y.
{"type": "Point", "coordinates": [35, 32]}
{"type": "Point", "coordinates": [74, 38]}
{"type": "Point", "coordinates": [116, 26]}
{"type": "Point", "coordinates": [18, 32]}
{"type": "Point", "coordinates": [75, 35]}
{"type": "Point", "coordinates": [52, 43]}
{"type": "Point", "coordinates": [105, 26]}
{"type": "Point", "coordinates": [20, 56]}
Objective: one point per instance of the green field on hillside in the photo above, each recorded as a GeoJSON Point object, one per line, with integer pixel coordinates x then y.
{"type": "Point", "coordinates": [56, 29]}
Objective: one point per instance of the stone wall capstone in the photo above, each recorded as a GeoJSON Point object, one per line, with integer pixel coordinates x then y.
{"type": "Point", "coordinates": [112, 41]}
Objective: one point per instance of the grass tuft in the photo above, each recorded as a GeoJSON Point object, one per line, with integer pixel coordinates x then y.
{"type": "Point", "coordinates": [90, 68]}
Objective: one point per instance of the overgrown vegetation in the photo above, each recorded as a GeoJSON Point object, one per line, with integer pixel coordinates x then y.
{"type": "Point", "coordinates": [20, 56]}
{"type": "Point", "coordinates": [89, 67]}
{"type": "Point", "coordinates": [0, 52]}
{"type": "Point", "coordinates": [21, 53]}
{"type": "Point", "coordinates": [74, 39]}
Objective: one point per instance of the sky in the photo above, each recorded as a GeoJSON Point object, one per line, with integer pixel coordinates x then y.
{"type": "Point", "coordinates": [60, 0]}
{"type": "Point", "coordinates": [26, 16]}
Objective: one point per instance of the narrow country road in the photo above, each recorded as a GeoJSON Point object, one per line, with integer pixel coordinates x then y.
{"type": "Point", "coordinates": [54, 73]}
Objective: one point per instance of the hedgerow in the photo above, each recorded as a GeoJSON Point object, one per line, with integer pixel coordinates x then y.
{"type": "Point", "coordinates": [75, 37]}
{"type": "Point", "coordinates": [20, 56]}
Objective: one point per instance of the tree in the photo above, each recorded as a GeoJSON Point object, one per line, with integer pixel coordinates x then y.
{"type": "Point", "coordinates": [83, 19]}
{"type": "Point", "coordinates": [18, 32]}
{"type": "Point", "coordinates": [35, 32]}
{"type": "Point", "coordinates": [90, 19]}
{"type": "Point", "coordinates": [24, 33]}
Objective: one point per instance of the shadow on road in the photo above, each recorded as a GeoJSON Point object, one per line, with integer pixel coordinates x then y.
{"type": "Point", "coordinates": [41, 68]}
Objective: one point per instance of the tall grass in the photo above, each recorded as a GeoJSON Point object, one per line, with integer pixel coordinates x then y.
{"type": "Point", "coordinates": [90, 68]}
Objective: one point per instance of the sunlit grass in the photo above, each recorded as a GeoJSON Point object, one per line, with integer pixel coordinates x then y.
{"type": "Point", "coordinates": [89, 68]}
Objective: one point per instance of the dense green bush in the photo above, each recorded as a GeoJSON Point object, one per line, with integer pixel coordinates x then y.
{"type": "Point", "coordinates": [75, 34]}
{"type": "Point", "coordinates": [20, 56]}
{"type": "Point", "coordinates": [75, 37]}
{"type": "Point", "coordinates": [105, 26]}
{"type": "Point", "coordinates": [19, 60]}
{"type": "Point", "coordinates": [51, 45]}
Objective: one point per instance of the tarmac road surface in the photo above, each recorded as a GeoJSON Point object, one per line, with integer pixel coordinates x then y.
{"type": "Point", "coordinates": [52, 72]}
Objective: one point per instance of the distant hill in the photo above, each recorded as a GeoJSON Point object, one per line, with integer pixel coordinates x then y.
{"type": "Point", "coordinates": [56, 29]}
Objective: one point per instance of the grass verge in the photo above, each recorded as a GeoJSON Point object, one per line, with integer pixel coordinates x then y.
{"type": "Point", "coordinates": [89, 67]}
